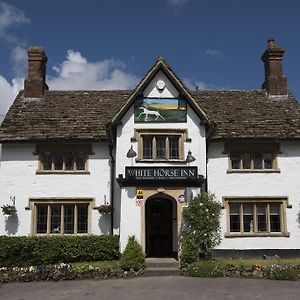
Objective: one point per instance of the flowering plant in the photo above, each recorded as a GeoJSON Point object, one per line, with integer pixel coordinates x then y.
{"type": "Point", "coordinates": [105, 209]}
{"type": "Point", "coordinates": [201, 232]}
{"type": "Point", "coordinates": [9, 209]}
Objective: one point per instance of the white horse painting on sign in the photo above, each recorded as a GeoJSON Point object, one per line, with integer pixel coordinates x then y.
{"type": "Point", "coordinates": [148, 112]}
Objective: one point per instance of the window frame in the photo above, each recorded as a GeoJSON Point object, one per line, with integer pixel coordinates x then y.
{"type": "Point", "coordinates": [255, 201]}
{"type": "Point", "coordinates": [62, 202]}
{"type": "Point", "coordinates": [252, 149]}
{"type": "Point", "coordinates": [76, 149]}
{"type": "Point", "coordinates": [154, 134]}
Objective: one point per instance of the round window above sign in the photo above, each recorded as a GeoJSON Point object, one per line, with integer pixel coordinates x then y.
{"type": "Point", "coordinates": [160, 85]}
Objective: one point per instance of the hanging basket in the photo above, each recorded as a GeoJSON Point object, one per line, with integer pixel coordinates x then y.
{"type": "Point", "coordinates": [105, 209]}
{"type": "Point", "coordinates": [9, 210]}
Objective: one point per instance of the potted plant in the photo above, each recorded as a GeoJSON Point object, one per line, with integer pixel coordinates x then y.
{"type": "Point", "coordinates": [105, 209]}
{"type": "Point", "coordinates": [8, 209]}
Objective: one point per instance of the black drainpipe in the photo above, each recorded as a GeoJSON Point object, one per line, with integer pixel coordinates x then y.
{"type": "Point", "coordinates": [112, 185]}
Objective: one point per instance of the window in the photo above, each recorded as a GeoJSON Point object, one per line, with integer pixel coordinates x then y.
{"type": "Point", "coordinates": [161, 145]}
{"type": "Point", "coordinates": [252, 158]}
{"type": "Point", "coordinates": [66, 159]}
{"type": "Point", "coordinates": [256, 217]}
{"type": "Point", "coordinates": [61, 218]}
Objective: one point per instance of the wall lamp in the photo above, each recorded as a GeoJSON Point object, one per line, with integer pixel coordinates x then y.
{"type": "Point", "coordinates": [131, 153]}
{"type": "Point", "coordinates": [190, 158]}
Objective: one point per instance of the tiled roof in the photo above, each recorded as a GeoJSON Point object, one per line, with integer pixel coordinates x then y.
{"type": "Point", "coordinates": [250, 114]}
{"type": "Point", "coordinates": [62, 115]}
{"type": "Point", "coordinates": [84, 115]}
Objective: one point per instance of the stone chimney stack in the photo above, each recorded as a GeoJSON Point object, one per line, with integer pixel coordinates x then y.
{"type": "Point", "coordinates": [275, 82]}
{"type": "Point", "coordinates": [35, 85]}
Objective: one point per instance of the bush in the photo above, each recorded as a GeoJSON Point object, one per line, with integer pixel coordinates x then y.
{"type": "Point", "coordinates": [133, 256]}
{"type": "Point", "coordinates": [201, 232]}
{"type": "Point", "coordinates": [188, 252]}
{"type": "Point", "coordinates": [26, 251]}
{"type": "Point", "coordinates": [205, 268]}
{"type": "Point", "coordinates": [278, 272]}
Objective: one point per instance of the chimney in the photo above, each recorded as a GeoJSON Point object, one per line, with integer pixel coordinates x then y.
{"type": "Point", "coordinates": [35, 85]}
{"type": "Point", "coordinates": [275, 82]}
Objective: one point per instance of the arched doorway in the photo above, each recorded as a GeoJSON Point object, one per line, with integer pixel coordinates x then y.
{"type": "Point", "coordinates": [161, 226]}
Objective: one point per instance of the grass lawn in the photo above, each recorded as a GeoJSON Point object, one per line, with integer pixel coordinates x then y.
{"type": "Point", "coordinates": [101, 265]}
{"type": "Point", "coordinates": [266, 262]}
{"type": "Point", "coordinates": [271, 268]}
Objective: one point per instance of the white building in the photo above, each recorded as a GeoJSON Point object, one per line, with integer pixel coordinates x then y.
{"type": "Point", "coordinates": [146, 152]}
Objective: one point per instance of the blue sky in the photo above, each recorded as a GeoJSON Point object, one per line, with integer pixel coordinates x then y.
{"type": "Point", "coordinates": [110, 44]}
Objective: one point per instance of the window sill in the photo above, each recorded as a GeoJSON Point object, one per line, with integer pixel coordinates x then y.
{"type": "Point", "coordinates": [160, 161]}
{"type": "Point", "coordinates": [62, 172]}
{"type": "Point", "coordinates": [60, 234]}
{"type": "Point", "coordinates": [253, 171]}
{"type": "Point", "coordinates": [242, 235]}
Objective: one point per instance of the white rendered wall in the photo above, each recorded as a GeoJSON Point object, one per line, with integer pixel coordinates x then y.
{"type": "Point", "coordinates": [131, 215]}
{"type": "Point", "coordinates": [18, 179]}
{"type": "Point", "coordinates": [151, 91]}
{"type": "Point", "coordinates": [285, 183]}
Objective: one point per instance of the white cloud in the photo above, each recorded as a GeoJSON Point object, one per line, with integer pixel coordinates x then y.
{"type": "Point", "coordinates": [19, 61]}
{"type": "Point", "coordinates": [74, 73]}
{"type": "Point", "coordinates": [215, 53]}
{"type": "Point", "coordinates": [177, 3]}
{"type": "Point", "coordinates": [8, 92]}
{"type": "Point", "coordinates": [10, 16]}
{"type": "Point", "coordinates": [77, 73]}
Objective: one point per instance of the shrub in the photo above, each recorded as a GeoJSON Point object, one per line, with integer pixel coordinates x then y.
{"type": "Point", "coordinates": [25, 251]}
{"type": "Point", "coordinates": [133, 256]}
{"type": "Point", "coordinates": [201, 231]}
{"type": "Point", "coordinates": [188, 252]}
{"type": "Point", "coordinates": [278, 272]}
{"type": "Point", "coordinates": [205, 268]}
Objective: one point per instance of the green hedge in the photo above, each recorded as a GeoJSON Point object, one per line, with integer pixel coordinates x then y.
{"type": "Point", "coordinates": [26, 251]}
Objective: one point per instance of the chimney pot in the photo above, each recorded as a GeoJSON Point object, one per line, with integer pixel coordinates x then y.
{"type": "Point", "coordinates": [271, 43]}
{"type": "Point", "coordinates": [35, 84]}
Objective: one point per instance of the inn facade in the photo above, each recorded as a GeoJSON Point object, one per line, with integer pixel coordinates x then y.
{"type": "Point", "coordinates": [147, 152]}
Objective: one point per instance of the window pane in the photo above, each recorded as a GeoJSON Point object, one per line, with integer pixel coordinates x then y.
{"type": "Point", "coordinates": [275, 217]}
{"type": "Point", "coordinates": [46, 159]}
{"type": "Point", "coordinates": [58, 158]}
{"type": "Point", "coordinates": [82, 222]}
{"type": "Point", "coordinates": [41, 222]}
{"type": "Point", "coordinates": [268, 160]}
{"type": "Point", "coordinates": [147, 147]}
{"type": "Point", "coordinates": [68, 218]}
{"type": "Point", "coordinates": [161, 147]}
{"type": "Point", "coordinates": [257, 160]}
{"type": "Point", "coordinates": [174, 147]}
{"type": "Point", "coordinates": [246, 157]}
{"type": "Point", "coordinates": [234, 217]}
{"type": "Point", "coordinates": [80, 161]}
{"type": "Point", "coordinates": [248, 217]}
{"type": "Point", "coordinates": [261, 217]}
{"type": "Point", "coordinates": [55, 218]}
{"type": "Point", "coordinates": [69, 161]}
{"type": "Point", "coordinates": [235, 160]}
